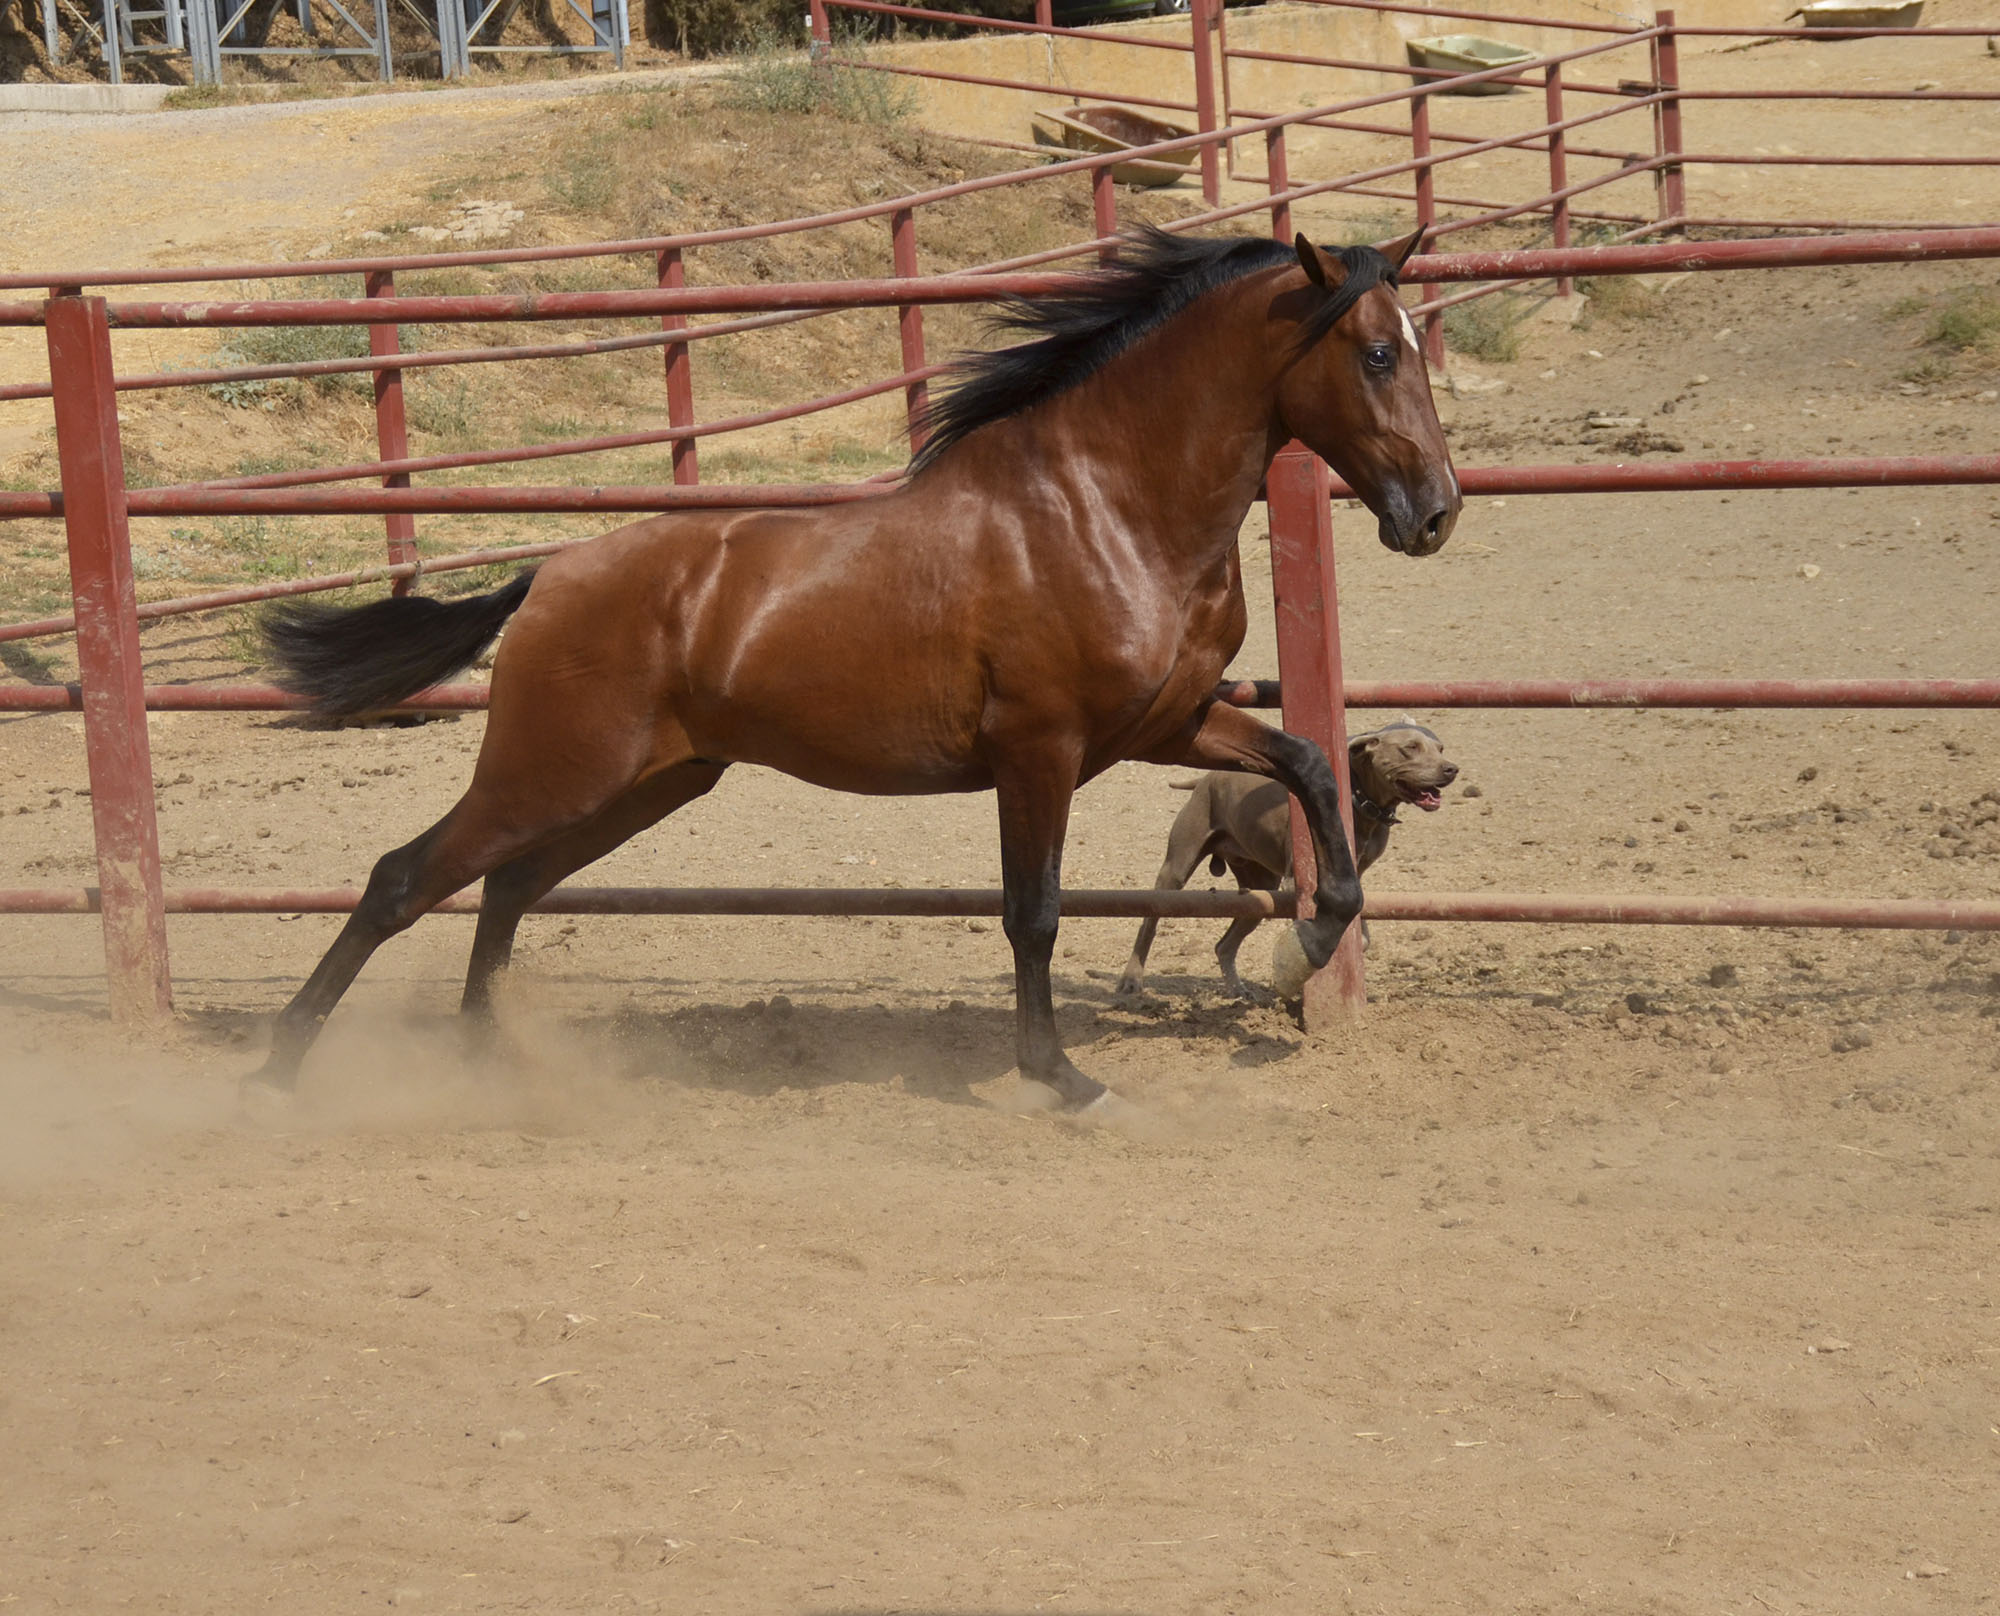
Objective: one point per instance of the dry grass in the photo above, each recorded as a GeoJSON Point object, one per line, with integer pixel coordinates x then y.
{"type": "Point", "coordinates": [1487, 328]}
{"type": "Point", "coordinates": [1618, 298]}
{"type": "Point", "coordinates": [1953, 331]}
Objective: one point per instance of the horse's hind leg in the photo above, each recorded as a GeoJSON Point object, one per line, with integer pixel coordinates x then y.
{"type": "Point", "coordinates": [404, 885]}
{"type": "Point", "coordinates": [520, 883]}
{"type": "Point", "coordinates": [485, 829]}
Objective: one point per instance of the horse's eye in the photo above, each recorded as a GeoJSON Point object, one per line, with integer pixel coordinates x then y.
{"type": "Point", "coordinates": [1380, 356]}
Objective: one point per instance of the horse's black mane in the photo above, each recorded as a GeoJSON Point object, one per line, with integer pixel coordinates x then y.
{"type": "Point", "coordinates": [1074, 334]}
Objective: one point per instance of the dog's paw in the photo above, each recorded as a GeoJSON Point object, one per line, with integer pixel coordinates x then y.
{"type": "Point", "coordinates": [1289, 966]}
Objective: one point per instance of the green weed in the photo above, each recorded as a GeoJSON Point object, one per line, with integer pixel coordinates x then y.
{"type": "Point", "coordinates": [773, 78]}
{"type": "Point", "coordinates": [438, 283]}
{"type": "Point", "coordinates": [1968, 321]}
{"type": "Point", "coordinates": [439, 404]}
{"type": "Point", "coordinates": [27, 664]}
{"type": "Point", "coordinates": [292, 345]}
{"type": "Point", "coordinates": [648, 108]}
{"type": "Point", "coordinates": [585, 182]}
{"type": "Point", "coordinates": [258, 465]}
{"type": "Point", "coordinates": [1617, 297]}
{"type": "Point", "coordinates": [1487, 328]}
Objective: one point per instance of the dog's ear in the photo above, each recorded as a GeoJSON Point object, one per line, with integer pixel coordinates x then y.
{"type": "Point", "coordinates": [1359, 744]}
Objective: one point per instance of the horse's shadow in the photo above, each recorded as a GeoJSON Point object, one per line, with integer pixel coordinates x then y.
{"type": "Point", "coordinates": [942, 1051]}
{"type": "Point", "coordinates": [872, 1035]}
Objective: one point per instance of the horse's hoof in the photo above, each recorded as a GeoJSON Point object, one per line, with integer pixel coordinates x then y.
{"type": "Point", "coordinates": [1290, 968]}
{"type": "Point", "coordinates": [1109, 1110]}
{"type": "Point", "coordinates": [266, 1099]}
{"type": "Point", "coordinates": [275, 1076]}
{"type": "Point", "coordinates": [1128, 987]}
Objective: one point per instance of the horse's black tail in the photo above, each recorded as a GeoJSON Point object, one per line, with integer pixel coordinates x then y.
{"type": "Point", "coordinates": [349, 660]}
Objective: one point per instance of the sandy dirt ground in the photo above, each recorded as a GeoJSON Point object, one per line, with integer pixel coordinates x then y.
{"type": "Point", "coordinates": [1608, 1270]}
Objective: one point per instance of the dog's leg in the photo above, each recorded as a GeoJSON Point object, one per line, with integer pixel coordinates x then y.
{"type": "Point", "coordinates": [1187, 845]}
{"type": "Point", "coordinates": [1225, 956]}
{"type": "Point", "coordinates": [1371, 841]}
{"type": "Point", "coordinates": [1249, 878]}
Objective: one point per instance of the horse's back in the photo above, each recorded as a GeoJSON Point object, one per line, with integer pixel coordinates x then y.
{"type": "Point", "coordinates": [811, 641]}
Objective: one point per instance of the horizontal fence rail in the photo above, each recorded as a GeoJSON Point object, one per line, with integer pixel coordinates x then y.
{"type": "Point", "coordinates": [225, 499]}
{"type": "Point", "coordinates": [1528, 263]}
{"type": "Point", "coordinates": [1401, 695]}
{"type": "Point", "coordinates": [1562, 909]}
{"type": "Point", "coordinates": [1666, 476]}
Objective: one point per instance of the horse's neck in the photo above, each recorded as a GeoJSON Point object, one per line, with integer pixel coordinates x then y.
{"type": "Point", "coordinates": [1179, 429]}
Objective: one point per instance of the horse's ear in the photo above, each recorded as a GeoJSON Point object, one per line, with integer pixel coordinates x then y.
{"type": "Point", "coordinates": [1322, 268]}
{"type": "Point", "coordinates": [1401, 251]}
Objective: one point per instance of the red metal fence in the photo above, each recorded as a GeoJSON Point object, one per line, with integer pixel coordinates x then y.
{"type": "Point", "coordinates": [1659, 159]}
{"type": "Point", "coordinates": [96, 506]}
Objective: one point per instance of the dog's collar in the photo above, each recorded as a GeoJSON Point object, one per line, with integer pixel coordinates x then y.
{"type": "Point", "coordinates": [1374, 810]}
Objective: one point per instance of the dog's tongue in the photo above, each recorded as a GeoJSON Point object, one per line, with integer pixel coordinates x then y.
{"type": "Point", "coordinates": [1428, 800]}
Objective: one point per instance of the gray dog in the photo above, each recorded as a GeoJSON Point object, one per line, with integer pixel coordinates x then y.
{"type": "Point", "coordinates": [1242, 823]}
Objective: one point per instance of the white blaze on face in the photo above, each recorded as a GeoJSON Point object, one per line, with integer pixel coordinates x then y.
{"type": "Point", "coordinates": [1409, 328]}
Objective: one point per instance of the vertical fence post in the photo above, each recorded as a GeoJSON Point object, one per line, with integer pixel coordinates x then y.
{"type": "Point", "coordinates": [910, 320]}
{"type": "Point", "coordinates": [114, 62]}
{"type": "Point", "coordinates": [51, 35]}
{"type": "Point", "coordinates": [385, 50]}
{"type": "Point", "coordinates": [1104, 208]}
{"type": "Point", "coordinates": [820, 46]}
{"type": "Point", "coordinates": [1420, 150]}
{"type": "Point", "coordinates": [1280, 180]}
{"type": "Point", "coordinates": [1308, 613]}
{"type": "Point", "coordinates": [680, 371]}
{"type": "Point", "coordinates": [1045, 13]}
{"type": "Point", "coordinates": [454, 55]}
{"type": "Point", "coordinates": [107, 649]}
{"type": "Point", "coordinates": [1552, 103]}
{"type": "Point", "coordinates": [1672, 187]}
{"type": "Point", "coordinates": [1222, 78]}
{"type": "Point", "coordinates": [1202, 15]}
{"type": "Point", "coordinates": [204, 44]}
{"type": "Point", "coordinates": [392, 431]}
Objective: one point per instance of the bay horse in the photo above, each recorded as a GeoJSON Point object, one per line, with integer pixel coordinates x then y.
{"type": "Point", "coordinates": [1054, 588]}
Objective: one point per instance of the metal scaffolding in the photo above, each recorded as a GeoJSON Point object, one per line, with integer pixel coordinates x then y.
{"type": "Point", "coordinates": [206, 31]}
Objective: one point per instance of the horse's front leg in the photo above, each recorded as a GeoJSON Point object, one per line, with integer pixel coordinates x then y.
{"type": "Point", "coordinates": [1224, 737]}
{"type": "Point", "coordinates": [1034, 796]}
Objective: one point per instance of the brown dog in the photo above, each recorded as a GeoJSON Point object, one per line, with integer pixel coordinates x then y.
{"type": "Point", "coordinates": [1242, 823]}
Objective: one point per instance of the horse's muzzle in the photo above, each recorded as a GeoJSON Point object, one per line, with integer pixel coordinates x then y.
{"type": "Point", "coordinates": [1403, 530]}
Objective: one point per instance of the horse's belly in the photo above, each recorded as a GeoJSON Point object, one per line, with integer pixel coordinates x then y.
{"type": "Point", "coordinates": [877, 747]}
